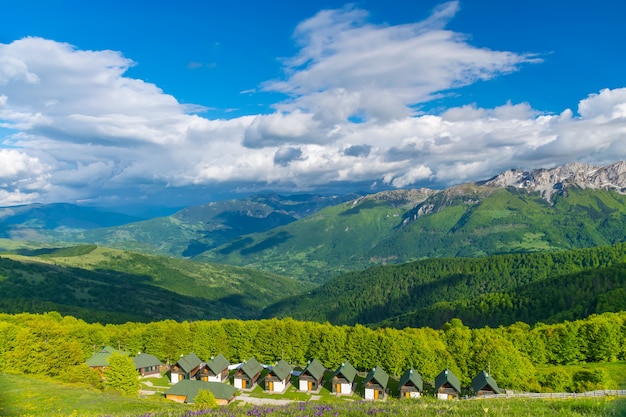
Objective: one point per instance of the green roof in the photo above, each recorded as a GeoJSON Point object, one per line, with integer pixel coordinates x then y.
{"type": "Point", "coordinates": [146, 360]}
{"type": "Point", "coordinates": [251, 368]}
{"type": "Point", "coordinates": [101, 358]}
{"type": "Point", "coordinates": [190, 388]}
{"type": "Point", "coordinates": [379, 375]}
{"type": "Point", "coordinates": [217, 364]}
{"type": "Point", "coordinates": [187, 363]}
{"type": "Point", "coordinates": [346, 370]}
{"type": "Point", "coordinates": [447, 376]}
{"type": "Point", "coordinates": [315, 369]}
{"type": "Point", "coordinates": [281, 370]}
{"type": "Point", "coordinates": [414, 377]}
{"type": "Point", "coordinates": [482, 380]}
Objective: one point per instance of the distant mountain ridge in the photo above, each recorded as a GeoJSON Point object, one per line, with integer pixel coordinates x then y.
{"type": "Point", "coordinates": [62, 215]}
{"type": "Point", "coordinates": [185, 233]}
{"type": "Point", "coordinates": [550, 181]}
{"type": "Point", "coordinates": [315, 237]}
{"type": "Point", "coordinates": [573, 206]}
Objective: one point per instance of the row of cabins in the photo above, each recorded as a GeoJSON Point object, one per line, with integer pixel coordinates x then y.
{"type": "Point", "coordinates": [411, 384]}
{"type": "Point", "coordinates": [190, 374]}
{"type": "Point", "coordinates": [278, 378]}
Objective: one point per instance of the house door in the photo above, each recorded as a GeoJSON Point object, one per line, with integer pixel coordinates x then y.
{"type": "Point", "coordinates": [338, 389]}
{"type": "Point", "coordinates": [310, 385]}
{"type": "Point", "coordinates": [244, 384]}
{"type": "Point", "coordinates": [376, 394]}
{"type": "Point", "coordinates": [407, 394]}
{"type": "Point", "coordinates": [270, 385]}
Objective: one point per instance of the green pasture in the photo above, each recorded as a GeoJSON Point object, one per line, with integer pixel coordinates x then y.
{"type": "Point", "coordinates": [25, 397]}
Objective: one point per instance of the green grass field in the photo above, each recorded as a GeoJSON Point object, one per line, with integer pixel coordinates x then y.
{"type": "Point", "coordinates": [24, 397]}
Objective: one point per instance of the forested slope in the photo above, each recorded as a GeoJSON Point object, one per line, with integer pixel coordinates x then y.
{"type": "Point", "coordinates": [493, 290]}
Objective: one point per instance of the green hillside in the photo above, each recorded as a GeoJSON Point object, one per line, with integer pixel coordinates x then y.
{"type": "Point", "coordinates": [463, 221]}
{"type": "Point", "coordinates": [483, 221]}
{"type": "Point", "coordinates": [334, 240]}
{"type": "Point", "coordinates": [108, 285]}
{"type": "Point", "coordinates": [495, 290]}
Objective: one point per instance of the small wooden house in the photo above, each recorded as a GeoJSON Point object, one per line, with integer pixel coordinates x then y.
{"type": "Point", "coordinates": [375, 384]}
{"type": "Point", "coordinates": [447, 385]}
{"type": "Point", "coordinates": [147, 365]}
{"type": "Point", "coordinates": [411, 384]}
{"type": "Point", "coordinates": [247, 374]}
{"type": "Point", "coordinates": [186, 390]}
{"type": "Point", "coordinates": [100, 360]}
{"type": "Point", "coordinates": [484, 384]}
{"type": "Point", "coordinates": [343, 379]}
{"type": "Point", "coordinates": [215, 370]}
{"type": "Point", "coordinates": [185, 368]}
{"type": "Point", "coordinates": [278, 377]}
{"type": "Point", "coordinates": [310, 380]}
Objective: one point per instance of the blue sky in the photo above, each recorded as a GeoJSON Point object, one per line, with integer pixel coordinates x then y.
{"type": "Point", "coordinates": [185, 102]}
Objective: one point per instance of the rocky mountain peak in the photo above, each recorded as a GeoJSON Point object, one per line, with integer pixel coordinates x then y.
{"type": "Point", "coordinates": [550, 181]}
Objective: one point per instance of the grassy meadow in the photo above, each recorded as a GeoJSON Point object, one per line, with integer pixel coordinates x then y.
{"type": "Point", "coordinates": [25, 396]}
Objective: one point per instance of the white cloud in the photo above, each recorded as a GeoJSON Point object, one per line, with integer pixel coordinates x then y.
{"type": "Point", "coordinates": [86, 130]}
{"type": "Point", "coordinates": [22, 177]}
{"type": "Point", "coordinates": [411, 176]}
{"type": "Point", "coordinates": [72, 94]}
{"type": "Point", "coordinates": [607, 104]}
{"type": "Point", "coordinates": [14, 164]}
{"type": "Point", "coordinates": [383, 69]}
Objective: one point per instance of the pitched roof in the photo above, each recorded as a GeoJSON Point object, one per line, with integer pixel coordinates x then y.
{"type": "Point", "coordinates": [414, 377]}
{"type": "Point", "coordinates": [315, 369]}
{"type": "Point", "coordinates": [282, 370]}
{"type": "Point", "coordinates": [251, 367]}
{"type": "Point", "coordinates": [346, 370]}
{"type": "Point", "coordinates": [447, 376]}
{"type": "Point", "coordinates": [217, 364]}
{"type": "Point", "coordinates": [187, 363]}
{"type": "Point", "coordinates": [190, 387]}
{"type": "Point", "coordinates": [101, 358]}
{"type": "Point", "coordinates": [482, 380]}
{"type": "Point", "coordinates": [379, 375]}
{"type": "Point", "coordinates": [146, 360]}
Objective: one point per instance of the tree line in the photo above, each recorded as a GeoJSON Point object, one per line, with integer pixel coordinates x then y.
{"type": "Point", "coordinates": [56, 346]}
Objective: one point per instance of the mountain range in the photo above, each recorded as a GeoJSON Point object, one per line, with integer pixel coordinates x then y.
{"type": "Point", "coordinates": [291, 244]}
{"type": "Point", "coordinates": [510, 213]}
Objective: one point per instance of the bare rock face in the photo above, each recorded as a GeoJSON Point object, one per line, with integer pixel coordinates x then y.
{"type": "Point", "coordinates": [549, 181]}
{"type": "Point", "coordinates": [397, 197]}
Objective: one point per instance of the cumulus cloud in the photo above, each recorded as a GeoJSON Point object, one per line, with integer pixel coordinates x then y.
{"type": "Point", "coordinates": [382, 68]}
{"type": "Point", "coordinates": [22, 177]}
{"type": "Point", "coordinates": [80, 128]}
